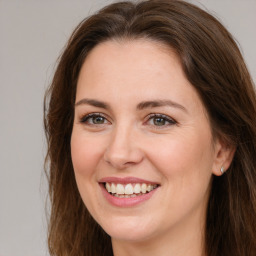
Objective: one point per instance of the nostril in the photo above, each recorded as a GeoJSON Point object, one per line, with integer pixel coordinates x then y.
{"type": "Point", "coordinates": [119, 161]}
{"type": "Point", "coordinates": [122, 151]}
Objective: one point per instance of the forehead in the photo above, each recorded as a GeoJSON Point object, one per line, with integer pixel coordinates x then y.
{"type": "Point", "coordinates": [115, 69]}
{"type": "Point", "coordinates": [145, 54]}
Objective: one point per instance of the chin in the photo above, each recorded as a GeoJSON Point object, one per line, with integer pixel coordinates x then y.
{"type": "Point", "coordinates": [129, 229]}
{"type": "Point", "coordinates": [130, 236]}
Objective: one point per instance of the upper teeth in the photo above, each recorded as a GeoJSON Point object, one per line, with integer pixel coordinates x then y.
{"type": "Point", "coordinates": [129, 189]}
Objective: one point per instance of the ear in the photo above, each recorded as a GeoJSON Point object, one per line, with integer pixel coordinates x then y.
{"type": "Point", "coordinates": [224, 154]}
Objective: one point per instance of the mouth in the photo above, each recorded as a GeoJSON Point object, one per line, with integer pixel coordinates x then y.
{"type": "Point", "coordinates": [129, 190]}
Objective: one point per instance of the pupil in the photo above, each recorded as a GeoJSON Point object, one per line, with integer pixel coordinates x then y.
{"type": "Point", "coordinates": [98, 120]}
{"type": "Point", "coordinates": [159, 121]}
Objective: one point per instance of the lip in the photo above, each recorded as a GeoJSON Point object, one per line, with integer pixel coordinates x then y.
{"type": "Point", "coordinates": [126, 202]}
{"type": "Point", "coordinates": [126, 180]}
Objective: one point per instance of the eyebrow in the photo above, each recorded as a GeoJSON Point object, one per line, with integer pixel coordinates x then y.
{"type": "Point", "coordinates": [92, 102]}
{"type": "Point", "coordinates": [160, 103]}
{"type": "Point", "coordinates": [140, 106]}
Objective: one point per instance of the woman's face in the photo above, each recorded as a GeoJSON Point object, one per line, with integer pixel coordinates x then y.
{"type": "Point", "coordinates": [140, 130]}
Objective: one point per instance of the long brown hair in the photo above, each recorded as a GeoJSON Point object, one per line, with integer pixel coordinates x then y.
{"type": "Point", "coordinates": [214, 65]}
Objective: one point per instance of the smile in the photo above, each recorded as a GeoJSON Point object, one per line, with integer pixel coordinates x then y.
{"type": "Point", "coordinates": [129, 190]}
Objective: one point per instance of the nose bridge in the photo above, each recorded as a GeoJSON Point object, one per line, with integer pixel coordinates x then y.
{"type": "Point", "coordinates": [122, 150]}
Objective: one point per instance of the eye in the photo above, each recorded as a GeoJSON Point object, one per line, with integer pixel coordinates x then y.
{"type": "Point", "coordinates": [94, 119]}
{"type": "Point", "coordinates": [160, 120]}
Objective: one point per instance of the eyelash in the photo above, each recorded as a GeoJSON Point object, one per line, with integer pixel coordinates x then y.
{"type": "Point", "coordinates": [85, 120]}
{"type": "Point", "coordinates": [165, 118]}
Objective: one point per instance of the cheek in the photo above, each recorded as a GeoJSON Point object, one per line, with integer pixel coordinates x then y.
{"type": "Point", "coordinates": [185, 164]}
{"type": "Point", "coordinates": [184, 157]}
{"type": "Point", "coordinates": [85, 153]}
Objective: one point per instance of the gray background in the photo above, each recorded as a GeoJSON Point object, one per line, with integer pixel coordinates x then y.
{"type": "Point", "coordinates": [32, 35]}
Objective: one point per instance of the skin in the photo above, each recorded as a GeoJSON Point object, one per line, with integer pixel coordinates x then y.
{"type": "Point", "coordinates": [181, 156]}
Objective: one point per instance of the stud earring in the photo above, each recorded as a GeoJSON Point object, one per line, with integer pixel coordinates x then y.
{"type": "Point", "coordinates": [222, 170]}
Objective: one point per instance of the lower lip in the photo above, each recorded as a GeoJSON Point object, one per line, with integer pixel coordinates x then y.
{"type": "Point", "coordinates": [126, 202]}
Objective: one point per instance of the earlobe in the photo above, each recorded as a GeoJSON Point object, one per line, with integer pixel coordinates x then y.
{"type": "Point", "coordinates": [223, 157]}
{"type": "Point", "coordinates": [222, 170]}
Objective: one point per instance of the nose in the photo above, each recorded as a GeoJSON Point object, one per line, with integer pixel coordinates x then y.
{"type": "Point", "coordinates": [123, 149]}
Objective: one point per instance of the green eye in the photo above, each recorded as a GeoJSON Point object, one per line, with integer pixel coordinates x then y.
{"type": "Point", "coordinates": [98, 120]}
{"type": "Point", "coordinates": [94, 119]}
{"type": "Point", "coordinates": [158, 121]}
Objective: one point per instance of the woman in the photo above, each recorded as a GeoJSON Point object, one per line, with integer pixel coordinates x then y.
{"type": "Point", "coordinates": [151, 128]}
